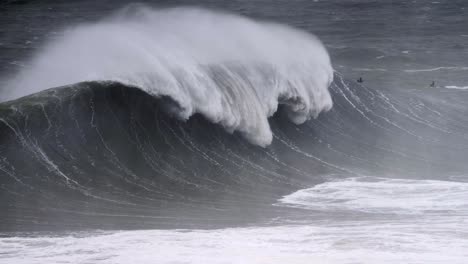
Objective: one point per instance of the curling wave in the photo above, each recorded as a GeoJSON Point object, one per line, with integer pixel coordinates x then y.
{"type": "Point", "coordinates": [233, 70]}
{"type": "Point", "coordinates": [109, 156]}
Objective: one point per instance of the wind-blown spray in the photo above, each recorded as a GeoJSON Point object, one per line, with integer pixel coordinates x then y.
{"type": "Point", "coordinates": [233, 70]}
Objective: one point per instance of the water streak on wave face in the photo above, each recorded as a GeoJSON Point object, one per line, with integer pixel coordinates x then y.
{"type": "Point", "coordinates": [233, 70]}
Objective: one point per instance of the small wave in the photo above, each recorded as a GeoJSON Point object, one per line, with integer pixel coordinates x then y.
{"type": "Point", "coordinates": [437, 69]}
{"type": "Point", "coordinates": [370, 70]}
{"type": "Point", "coordinates": [233, 70]}
{"type": "Point", "coordinates": [456, 87]}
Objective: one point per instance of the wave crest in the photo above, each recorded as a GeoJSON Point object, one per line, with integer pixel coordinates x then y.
{"type": "Point", "coordinates": [233, 70]}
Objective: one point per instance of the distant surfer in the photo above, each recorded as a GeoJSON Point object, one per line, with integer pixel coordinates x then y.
{"type": "Point", "coordinates": [432, 84]}
{"type": "Point", "coordinates": [360, 80]}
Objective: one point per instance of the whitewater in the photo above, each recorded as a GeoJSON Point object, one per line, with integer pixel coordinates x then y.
{"type": "Point", "coordinates": [233, 70]}
{"type": "Point", "coordinates": [410, 229]}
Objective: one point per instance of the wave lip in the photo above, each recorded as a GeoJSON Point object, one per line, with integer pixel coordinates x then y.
{"type": "Point", "coordinates": [231, 69]}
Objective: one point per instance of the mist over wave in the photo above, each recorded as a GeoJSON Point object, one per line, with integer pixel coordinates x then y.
{"type": "Point", "coordinates": [233, 70]}
{"type": "Point", "coordinates": [142, 155]}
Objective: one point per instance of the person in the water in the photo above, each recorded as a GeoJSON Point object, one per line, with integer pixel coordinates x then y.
{"type": "Point", "coordinates": [360, 80]}
{"type": "Point", "coordinates": [432, 84]}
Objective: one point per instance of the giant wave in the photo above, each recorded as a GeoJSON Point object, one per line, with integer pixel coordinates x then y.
{"type": "Point", "coordinates": [153, 134]}
{"type": "Point", "coordinates": [233, 70]}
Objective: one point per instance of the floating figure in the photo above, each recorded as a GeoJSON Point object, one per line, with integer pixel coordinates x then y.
{"type": "Point", "coordinates": [432, 84]}
{"type": "Point", "coordinates": [360, 80]}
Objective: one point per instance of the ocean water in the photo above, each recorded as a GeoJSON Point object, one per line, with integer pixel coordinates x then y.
{"type": "Point", "coordinates": [368, 220]}
{"type": "Point", "coordinates": [233, 132]}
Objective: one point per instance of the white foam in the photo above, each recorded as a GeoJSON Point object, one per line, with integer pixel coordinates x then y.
{"type": "Point", "coordinates": [456, 87]}
{"type": "Point", "coordinates": [410, 242]}
{"type": "Point", "coordinates": [380, 195]}
{"type": "Point", "coordinates": [437, 69]}
{"type": "Point", "coordinates": [367, 220]}
{"type": "Point", "coordinates": [232, 69]}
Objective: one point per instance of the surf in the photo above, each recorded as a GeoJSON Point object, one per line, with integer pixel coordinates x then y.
{"type": "Point", "coordinates": [232, 69]}
{"type": "Point", "coordinates": [159, 126]}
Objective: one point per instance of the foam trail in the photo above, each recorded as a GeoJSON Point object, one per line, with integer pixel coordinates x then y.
{"type": "Point", "coordinates": [382, 195]}
{"type": "Point", "coordinates": [231, 69]}
{"type": "Point", "coordinates": [457, 87]}
{"type": "Point", "coordinates": [437, 69]}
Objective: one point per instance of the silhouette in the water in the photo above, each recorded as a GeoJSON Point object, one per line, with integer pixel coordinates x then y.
{"type": "Point", "coordinates": [432, 84]}
{"type": "Point", "coordinates": [360, 80]}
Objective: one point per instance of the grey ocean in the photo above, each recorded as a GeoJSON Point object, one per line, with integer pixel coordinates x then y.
{"type": "Point", "coordinates": [234, 131]}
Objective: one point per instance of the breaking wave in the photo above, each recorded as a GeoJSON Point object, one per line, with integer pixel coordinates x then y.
{"type": "Point", "coordinates": [233, 70]}
{"type": "Point", "coordinates": [107, 153]}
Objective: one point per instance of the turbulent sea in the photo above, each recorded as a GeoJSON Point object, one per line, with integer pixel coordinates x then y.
{"type": "Point", "coordinates": [234, 132]}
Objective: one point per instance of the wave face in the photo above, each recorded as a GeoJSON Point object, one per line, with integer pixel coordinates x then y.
{"type": "Point", "coordinates": [150, 128]}
{"type": "Point", "coordinates": [233, 70]}
{"type": "Point", "coordinates": [106, 155]}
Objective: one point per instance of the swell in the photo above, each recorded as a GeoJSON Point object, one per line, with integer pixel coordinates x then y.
{"type": "Point", "coordinates": [106, 155]}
